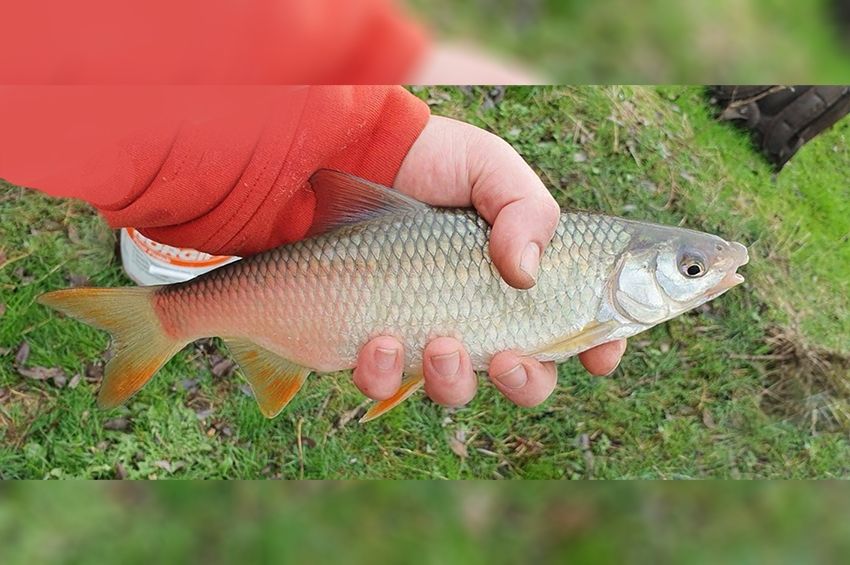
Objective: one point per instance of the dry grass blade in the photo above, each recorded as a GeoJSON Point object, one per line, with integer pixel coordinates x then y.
{"type": "Point", "coordinates": [807, 385]}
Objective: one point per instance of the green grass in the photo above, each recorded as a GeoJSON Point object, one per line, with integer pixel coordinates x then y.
{"type": "Point", "coordinates": [753, 386]}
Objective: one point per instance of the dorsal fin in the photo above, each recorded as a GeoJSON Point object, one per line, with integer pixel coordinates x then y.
{"type": "Point", "coordinates": [343, 200]}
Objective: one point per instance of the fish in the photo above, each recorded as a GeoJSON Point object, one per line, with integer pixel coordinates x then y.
{"type": "Point", "coordinates": [379, 263]}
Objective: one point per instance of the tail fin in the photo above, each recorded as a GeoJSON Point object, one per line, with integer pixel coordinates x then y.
{"type": "Point", "coordinates": [142, 346]}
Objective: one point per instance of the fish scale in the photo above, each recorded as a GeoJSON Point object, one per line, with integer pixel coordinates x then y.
{"type": "Point", "coordinates": [415, 276]}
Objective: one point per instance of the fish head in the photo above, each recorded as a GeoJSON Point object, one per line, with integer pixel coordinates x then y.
{"type": "Point", "coordinates": [667, 271]}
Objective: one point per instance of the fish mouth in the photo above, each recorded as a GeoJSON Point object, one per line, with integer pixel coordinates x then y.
{"type": "Point", "coordinates": [739, 256]}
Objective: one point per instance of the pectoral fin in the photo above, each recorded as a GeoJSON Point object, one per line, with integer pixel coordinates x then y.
{"type": "Point", "coordinates": [273, 379]}
{"type": "Point", "coordinates": [408, 386]}
{"type": "Point", "coordinates": [589, 336]}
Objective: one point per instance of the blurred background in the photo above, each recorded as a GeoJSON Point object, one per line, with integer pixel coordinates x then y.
{"type": "Point", "coordinates": [403, 522]}
{"type": "Point", "coordinates": [726, 41]}
{"type": "Point", "coordinates": [427, 42]}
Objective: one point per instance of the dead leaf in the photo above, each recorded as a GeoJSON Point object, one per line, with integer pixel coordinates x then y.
{"type": "Point", "coordinates": [94, 372]}
{"type": "Point", "coordinates": [2, 308]}
{"type": "Point", "coordinates": [164, 465]}
{"type": "Point", "coordinates": [493, 97]}
{"type": "Point", "coordinates": [457, 444]}
{"type": "Point", "coordinates": [119, 424]}
{"type": "Point", "coordinates": [436, 98]}
{"type": "Point", "coordinates": [75, 380]}
{"type": "Point", "coordinates": [307, 441]}
{"type": "Point", "coordinates": [55, 374]}
{"type": "Point", "coordinates": [223, 368]}
{"type": "Point", "coordinates": [49, 226]}
{"type": "Point", "coordinates": [523, 447]}
{"type": "Point", "coordinates": [220, 427]}
{"type": "Point", "coordinates": [60, 379]}
{"type": "Point", "coordinates": [708, 419]}
{"type": "Point", "coordinates": [584, 445]}
{"type": "Point", "coordinates": [76, 280]}
{"type": "Point", "coordinates": [206, 346]}
{"type": "Point", "coordinates": [349, 415]}
{"type": "Point", "coordinates": [73, 234]}
{"type": "Point", "coordinates": [168, 466]}
{"type": "Point", "coordinates": [23, 275]}
{"type": "Point", "coordinates": [189, 384]}
{"type": "Point", "coordinates": [23, 353]}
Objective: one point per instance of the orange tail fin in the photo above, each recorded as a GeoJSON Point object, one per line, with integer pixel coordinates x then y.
{"type": "Point", "coordinates": [142, 346]}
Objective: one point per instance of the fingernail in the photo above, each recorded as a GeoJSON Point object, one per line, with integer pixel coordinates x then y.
{"type": "Point", "coordinates": [515, 378]}
{"type": "Point", "coordinates": [446, 365]}
{"type": "Point", "coordinates": [385, 358]}
{"type": "Point", "coordinates": [529, 263]}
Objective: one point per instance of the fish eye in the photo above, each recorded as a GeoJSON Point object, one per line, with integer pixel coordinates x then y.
{"type": "Point", "coordinates": [691, 266]}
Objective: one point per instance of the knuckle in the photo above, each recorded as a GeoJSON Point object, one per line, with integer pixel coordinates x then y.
{"type": "Point", "coordinates": [551, 212]}
{"type": "Point", "coordinates": [552, 209]}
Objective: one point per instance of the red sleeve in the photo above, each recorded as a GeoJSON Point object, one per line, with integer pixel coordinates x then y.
{"type": "Point", "coordinates": [220, 169]}
{"type": "Point", "coordinates": [208, 42]}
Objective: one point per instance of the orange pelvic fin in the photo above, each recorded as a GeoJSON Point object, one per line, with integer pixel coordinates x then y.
{"type": "Point", "coordinates": [141, 344]}
{"type": "Point", "coordinates": [273, 379]}
{"type": "Point", "coordinates": [408, 386]}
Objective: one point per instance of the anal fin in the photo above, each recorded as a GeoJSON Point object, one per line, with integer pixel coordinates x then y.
{"type": "Point", "coordinates": [273, 379]}
{"type": "Point", "coordinates": [408, 386]}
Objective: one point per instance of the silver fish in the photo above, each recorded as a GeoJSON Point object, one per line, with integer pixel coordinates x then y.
{"type": "Point", "coordinates": [380, 263]}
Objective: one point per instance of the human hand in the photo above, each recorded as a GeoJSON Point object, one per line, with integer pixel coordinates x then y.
{"type": "Point", "coordinates": [456, 164]}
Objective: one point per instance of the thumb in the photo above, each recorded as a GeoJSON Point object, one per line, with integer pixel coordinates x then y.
{"type": "Point", "coordinates": [513, 199]}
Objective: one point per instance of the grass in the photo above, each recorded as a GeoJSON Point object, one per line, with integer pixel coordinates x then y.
{"type": "Point", "coordinates": [473, 522]}
{"type": "Point", "coordinates": [755, 385]}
